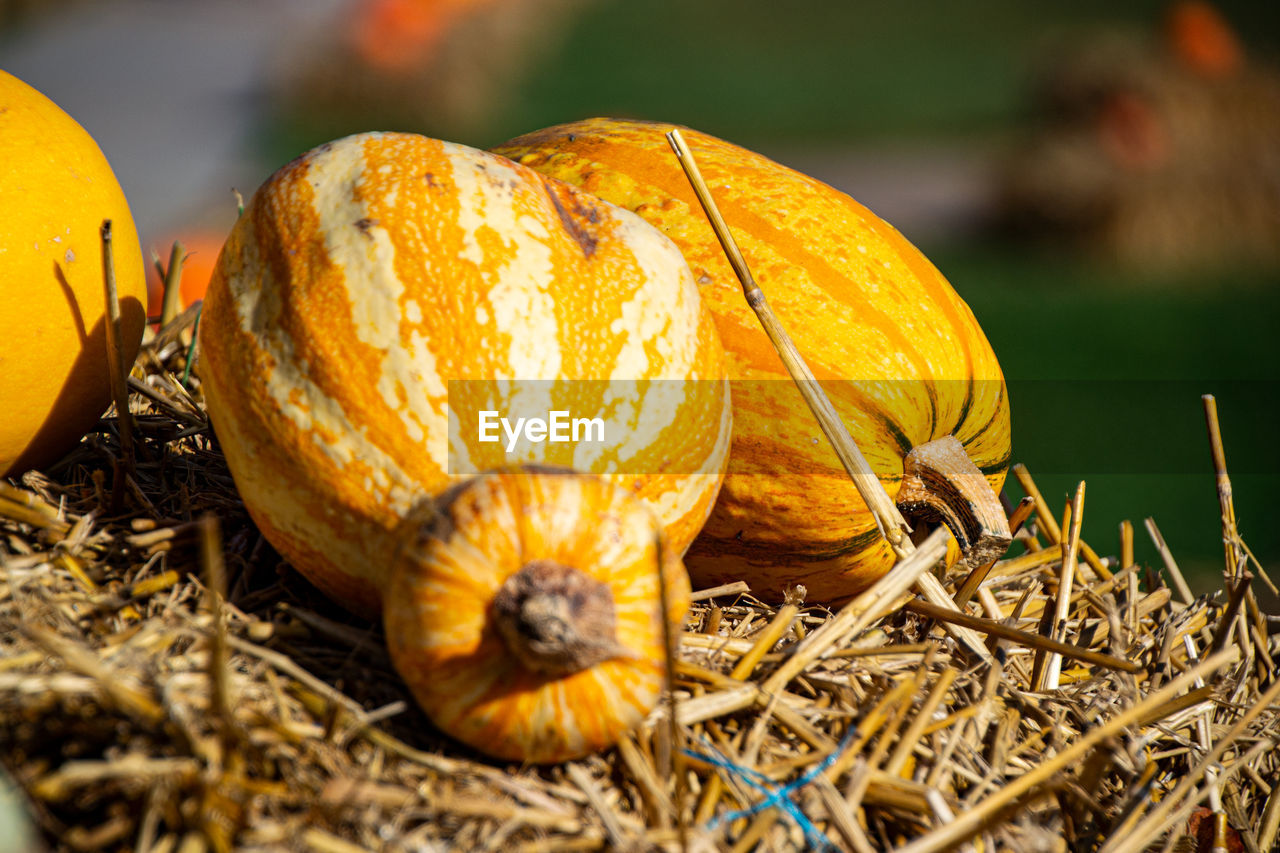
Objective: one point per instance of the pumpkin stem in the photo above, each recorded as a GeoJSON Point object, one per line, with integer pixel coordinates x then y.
{"type": "Point", "coordinates": [940, 483]}
{"type": "Point", "coordinates": [556, 619]}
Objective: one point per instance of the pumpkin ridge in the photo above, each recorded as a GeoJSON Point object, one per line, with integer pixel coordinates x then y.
{"type": "Point", "coordinates": [272, 358]}
{"type": "Point", "coordinates": [253, 366]}
{"type": "Point", "coordinates": [667, 183]}
{"type": "Point", "coordinates": [960, 322]}
{"type": "Point", "coordinates": [815, 551]}
{"type": "Point", "coordinates": [999, 413]}
{"type": "Point", "coordinates": [823, 276]}
{"type": "Point", "coordinates": [758, 450]}
{"type": "Point", "coordinates": [572, 226]}
{"type": "Point", "coordinates": [963, 415]}
{"type": "Point", "coordinates": [348, 370]}
{"type": "Point", "coordinates": [1000, 466]}
{"type": "Point", "coordinates": [894, 428]}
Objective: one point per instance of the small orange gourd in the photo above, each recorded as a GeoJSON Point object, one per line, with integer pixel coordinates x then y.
{"type": "Point", "coordinates": [524, 613]}
{"type": "Point", "coordinates": [900, 354]}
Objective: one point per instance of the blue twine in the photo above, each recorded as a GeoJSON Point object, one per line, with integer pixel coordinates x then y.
{"type": "Point", "coordinates": [774, 796]}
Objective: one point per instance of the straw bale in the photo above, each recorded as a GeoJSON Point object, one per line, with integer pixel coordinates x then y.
{"type": "Point", "coordinates": [140, 711]}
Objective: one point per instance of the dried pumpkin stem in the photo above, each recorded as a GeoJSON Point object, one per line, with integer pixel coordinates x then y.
{"type": "Point", "coordinates": [892, 525]}
{"type": "Point", "coordinates": [940, 483]}
{"type": "Point", "coordinates": [556, 619]}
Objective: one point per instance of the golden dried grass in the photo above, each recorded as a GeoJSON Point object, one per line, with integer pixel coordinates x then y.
{"type": "Point", "coordinates": [167, 683]}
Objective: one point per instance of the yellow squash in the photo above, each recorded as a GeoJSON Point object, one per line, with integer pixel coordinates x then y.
{"type": "Point", "coordinates": [382, 283]}
{"type": "Point", "coordinates": [892, 343]}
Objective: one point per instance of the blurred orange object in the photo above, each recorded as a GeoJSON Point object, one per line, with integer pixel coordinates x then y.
{"type": "Point", "coordinates": [1132, 132]}
{"type": "Point", "coordinates": [1201, 38]}
{"type": "Point", "coordinates": [444, 68]}
{"type": "Point", "coordinates": [202, 250]}
{"type": "Point", "coordinates": [1201, 827]}
{"type": "Point", "coordinates": [396, 35]}
{"type": "Point", "coordinates": [1154, 149]}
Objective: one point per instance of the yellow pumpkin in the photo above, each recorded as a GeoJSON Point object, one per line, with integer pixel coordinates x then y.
{"type": "Point", "coordinates": [56, 188]}
{"type": "Point", "coordinates": [896, 348]}
{"type": "Point", "coordinates": [377, 286]}
{"type": "Point", "coordinates": [524, 612]}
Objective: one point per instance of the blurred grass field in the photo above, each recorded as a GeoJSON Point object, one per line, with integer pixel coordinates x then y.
{"type": "Point", "coordinates": [761, 72]}
{"type": "Point", "coordinates": [1106, 374]}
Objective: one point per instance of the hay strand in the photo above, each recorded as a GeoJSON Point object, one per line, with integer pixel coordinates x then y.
{"type": "Point", "coordinates": [893, 527]}
{"type": "Point", "coordinates": [117, 370]}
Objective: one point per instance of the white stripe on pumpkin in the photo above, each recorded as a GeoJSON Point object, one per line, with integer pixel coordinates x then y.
{"type": "Point", "coordinates": [487, 191]}
{"type": "Point", "coordinates": [256, 301]}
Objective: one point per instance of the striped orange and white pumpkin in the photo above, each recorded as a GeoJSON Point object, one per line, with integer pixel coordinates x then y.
{"type": "Point", "coordinates": [521, 613]}
{"type": "Point", "coordinates": [895, 347]}
{"type": "Point", "coordinates": [370, 273]}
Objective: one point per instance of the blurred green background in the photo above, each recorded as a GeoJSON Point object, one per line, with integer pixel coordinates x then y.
{"type": "Point", "coordinates": [1110, 357]}
{"type": "Point", "coordinates": [922, 111]}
